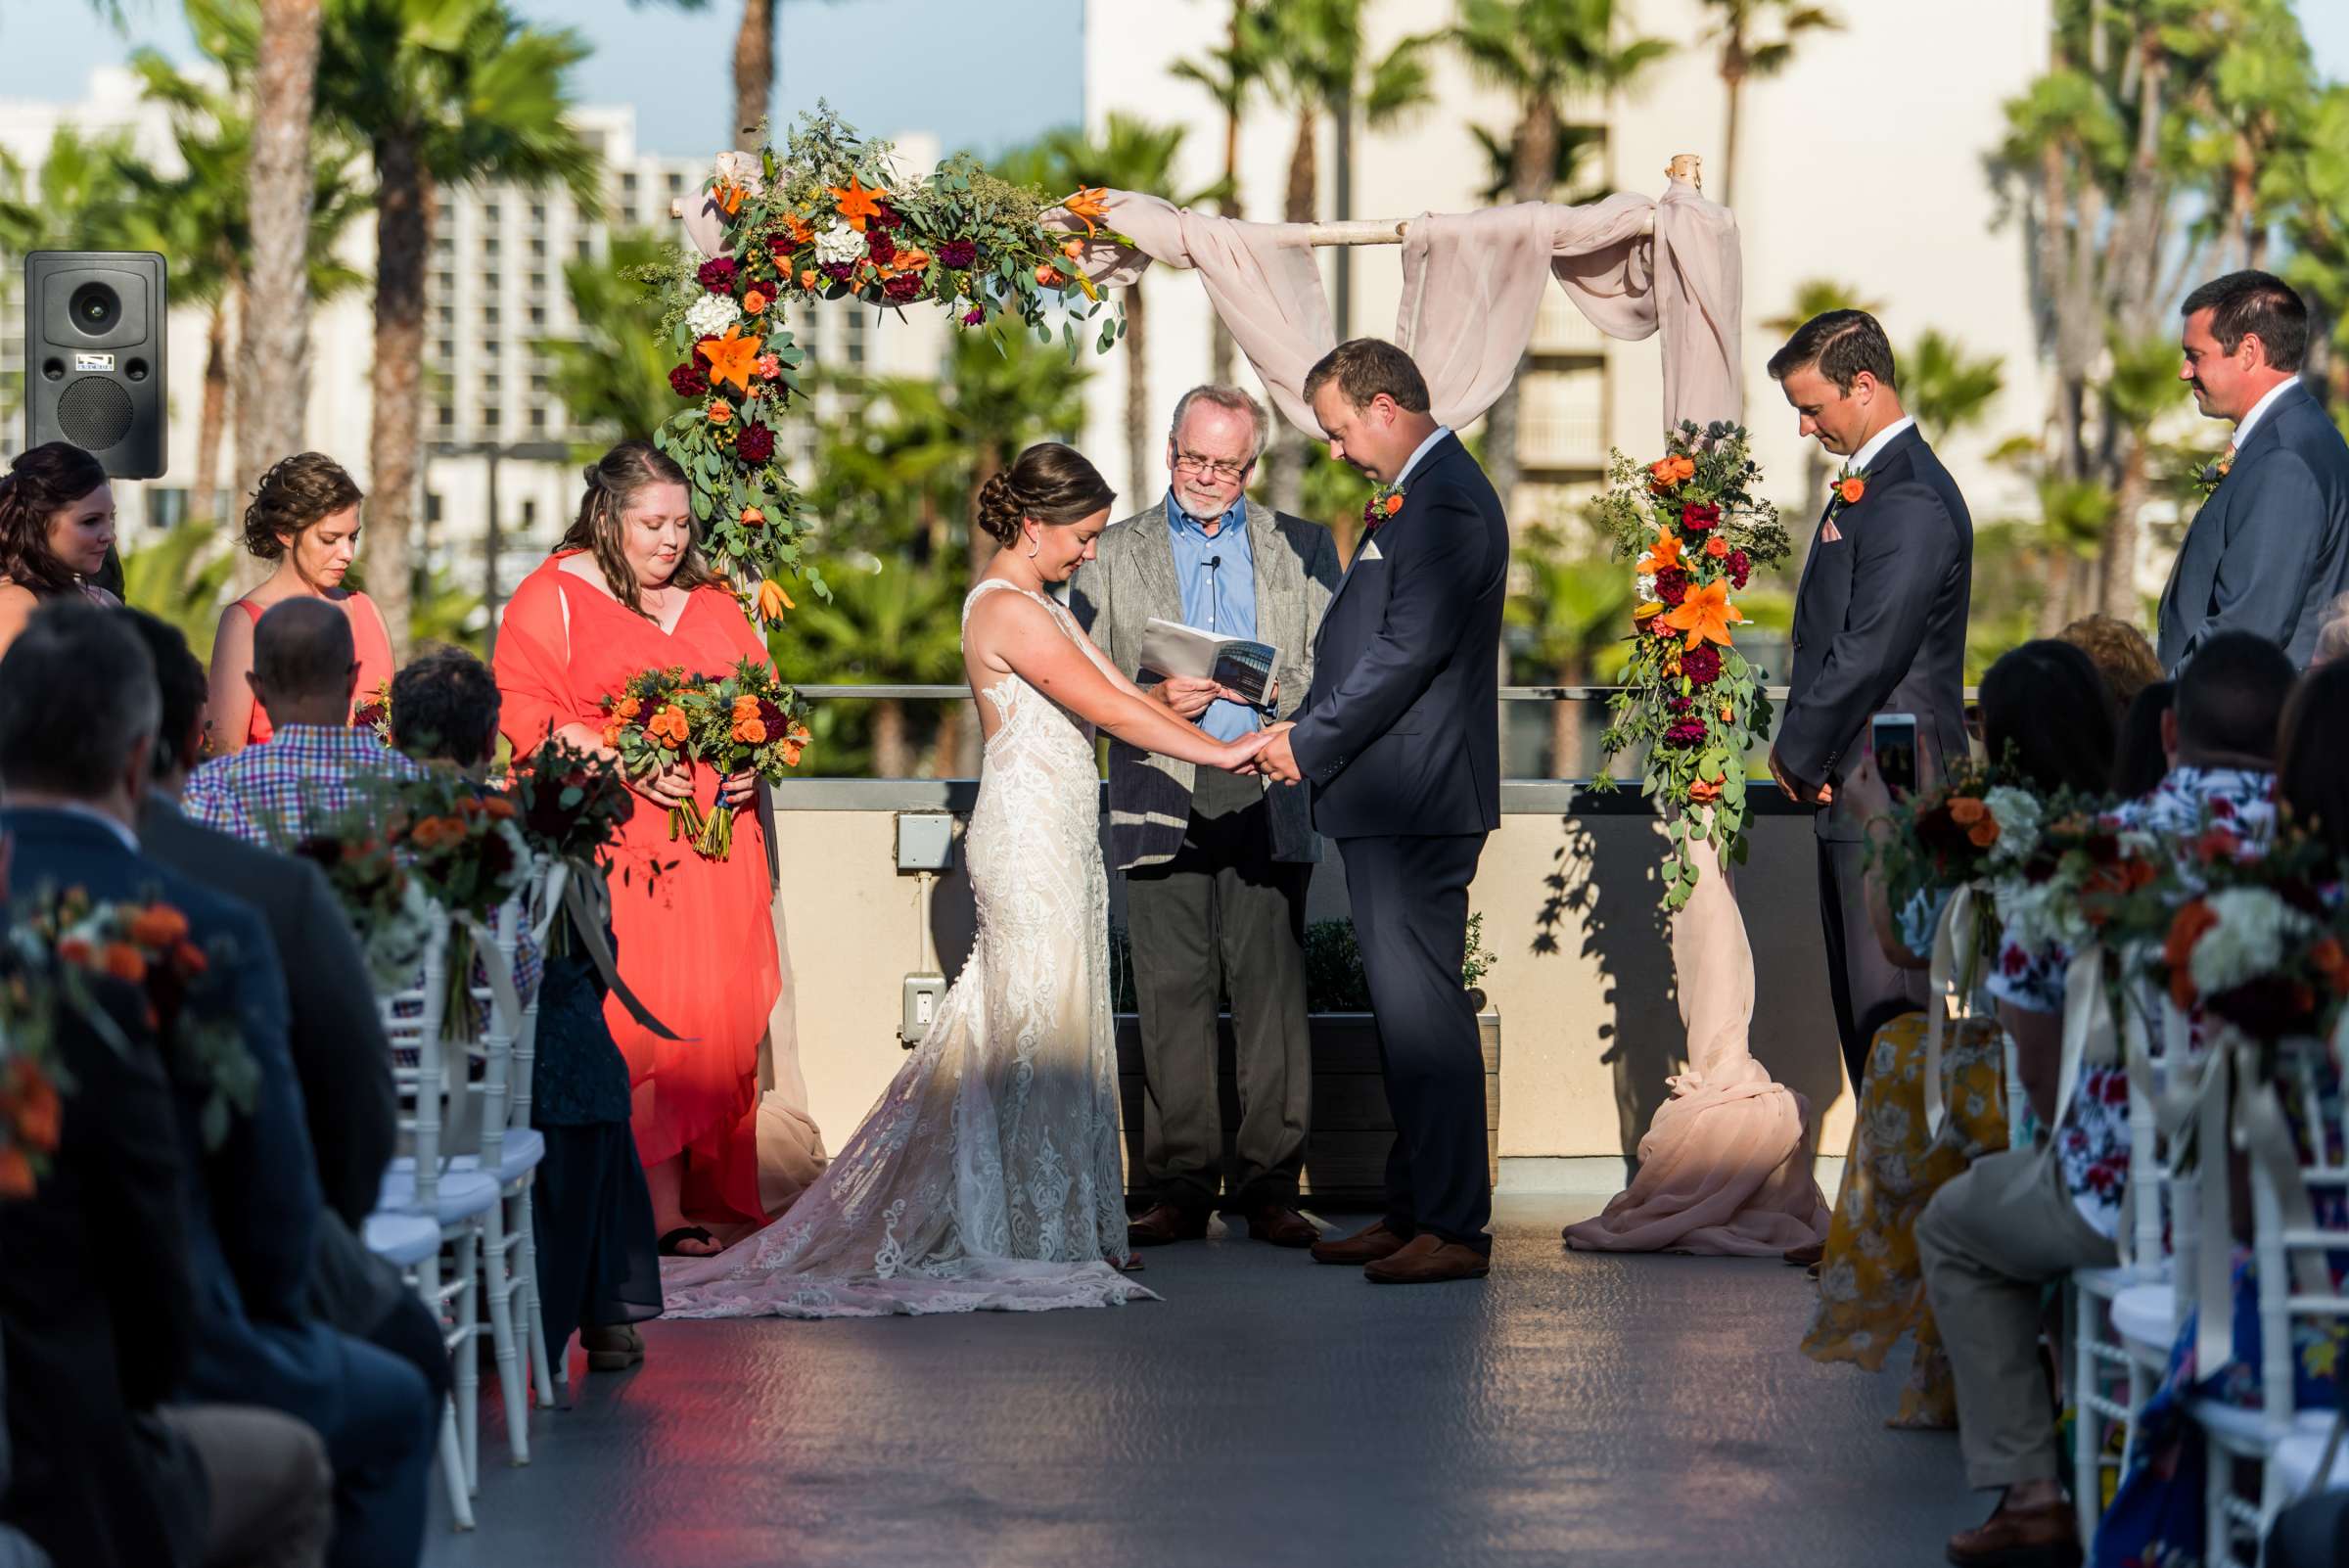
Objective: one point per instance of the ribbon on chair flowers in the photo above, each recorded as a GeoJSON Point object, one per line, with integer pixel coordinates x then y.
{"type": "Point", "coordinates": [1956, 916]}
{"type": "Point", "coordinates": [2087, 1026]}
{"type": "Point", "coordinates": [587, 900]}
{"type": "Point", "coordinates": [500, 974]}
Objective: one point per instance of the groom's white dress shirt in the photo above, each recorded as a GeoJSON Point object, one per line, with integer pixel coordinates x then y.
{"type": "Point", "coordinates": [1876, 443]}
{"type": "Point", "coordinates": [2242, 431]}
{"type": "Point", "coordinates": [1440, 432]}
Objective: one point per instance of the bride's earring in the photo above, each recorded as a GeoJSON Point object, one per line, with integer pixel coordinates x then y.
{"type": "Point", "coordinates": [1034, 545]}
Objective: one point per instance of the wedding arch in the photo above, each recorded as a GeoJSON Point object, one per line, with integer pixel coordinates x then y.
{"type": "Point", "coordinates": [829, 216]}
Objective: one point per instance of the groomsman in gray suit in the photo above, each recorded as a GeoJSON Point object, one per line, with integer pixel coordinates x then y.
{"type": "Point", "coordinates": [1216, 864]}
{"type": "Point", "coordinates": [2270, 549]}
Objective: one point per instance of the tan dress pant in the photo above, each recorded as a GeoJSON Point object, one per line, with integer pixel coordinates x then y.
{"type": "Point", "coordinates": [1990, 1241]}
{"type": "Point", "coordinates": [272, 1492]}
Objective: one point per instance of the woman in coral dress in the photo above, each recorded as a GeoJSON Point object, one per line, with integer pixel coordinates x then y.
{"type": "Point", "coordinates": [628, 591]}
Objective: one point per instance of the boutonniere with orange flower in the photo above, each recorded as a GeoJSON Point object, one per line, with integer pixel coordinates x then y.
{"type": "Point", "coordinates": [1385, 501]}
{"type": "Point", "coordinates": [1848, 486]}
{"type": "Point", "coordinates": [2210, 477]}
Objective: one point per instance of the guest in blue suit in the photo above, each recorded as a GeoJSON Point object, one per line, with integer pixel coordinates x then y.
{"type": "Point", "coordinates": [2270, 549]}
{"type": "Point", "coordinates": [78, 713]}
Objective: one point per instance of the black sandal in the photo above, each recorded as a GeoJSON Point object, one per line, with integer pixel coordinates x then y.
{"type": "Point", "coordinates": [667, 1244]}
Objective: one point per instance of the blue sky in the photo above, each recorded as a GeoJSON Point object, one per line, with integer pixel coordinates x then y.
{"type": "Point", "coordinates": [949, 67]}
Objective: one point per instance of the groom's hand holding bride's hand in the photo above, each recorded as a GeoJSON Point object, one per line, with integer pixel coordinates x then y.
{"type": "Point", "coordinates": [1276, 760]}
{"type": "Point", "coordinates": [1239, 755]}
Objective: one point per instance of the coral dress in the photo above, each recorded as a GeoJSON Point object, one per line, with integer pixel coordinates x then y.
{"type": "Point", "coordinates": [697, 939]}
{"type": "Point", "coordinates": [371, 643]}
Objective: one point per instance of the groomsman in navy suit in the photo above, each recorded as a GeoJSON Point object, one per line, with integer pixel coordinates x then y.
{"type": "Point", "coordinates": [1879, 626]}
{"type": "Point", "coordinates": [2270, 549]}
{"type": "Point", "coordinates": [1401, 739]}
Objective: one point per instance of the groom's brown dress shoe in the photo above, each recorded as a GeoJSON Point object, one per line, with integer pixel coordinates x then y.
{"type": "Point", "coordinates": [1362, 1247]}
{"type": "Point", "coordinates": [1428, 1260]}
{"type": "Point", "coordinates": [1165, 1223]}
{"type": "Point", "coordinates": [1281, 1225]}
{"type": "Point", "coordinates": [2043, 1537]}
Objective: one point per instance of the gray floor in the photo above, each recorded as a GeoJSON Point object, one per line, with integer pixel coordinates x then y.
{"type": "Point", "coordinates": [1572, 1409]}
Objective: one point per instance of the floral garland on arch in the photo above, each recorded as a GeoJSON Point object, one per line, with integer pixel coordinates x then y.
{"type": "Point", "coordinates": [1690, 700]}
{"type": "Point", "coordinates": [830, 218]}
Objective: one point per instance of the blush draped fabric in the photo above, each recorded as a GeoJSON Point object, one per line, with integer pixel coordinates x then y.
{"type": "Point", "coordinates": [1472, 287]}
{"type": "Point", "coordinates": [696, 944]}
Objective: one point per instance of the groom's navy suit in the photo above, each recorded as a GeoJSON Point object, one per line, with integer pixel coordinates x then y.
{"type": "Point", "coordinates": [1879, 626]}
{"type": "Point", "coordinates": [1400, 740]}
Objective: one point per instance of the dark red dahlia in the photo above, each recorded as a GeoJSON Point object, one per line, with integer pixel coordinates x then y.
{"type": "Point", "coordinates": [780, 245]}
{"type": "Point", "coordinates": [973, 316]}
{"type": "Point", "coordinates": [717, 275]}
{"type": "Point", "coordinates": [1687, 732]}
{"type": "Point", "coordinates": [881, 248]}
{"type": "Point", "coordinates": [755, 443]}
{"type": "Point", "coordinates": [1672, 585]}
{"type": "Point", "coordinates": [1698, 516]}
{"type": "Point", "coordinates": [1701, 664]}
{"type": "Point", "coordinates": [904, 287]}
{"type": "Point", "coordinates": [839, 271]}
{"type": "Point", "coordinates": [1681, 705]}
{"type": "Point", "coordinates": [773, 718]}
{"type": "Point", "coordinates": [1742, 566]}
{"type": "Point", "coordinates": [687, 381]}
{"type": "Point", "coordinates": [886, 216]}
{"type": "Point", "coordinates": [957, 255]}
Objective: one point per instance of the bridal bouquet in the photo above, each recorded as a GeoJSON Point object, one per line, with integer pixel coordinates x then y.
{"type": "Point", "coordinates": [648, 726]}
{"type": "Point", "coordinates": [748, 722]}
{"type": "Point", "coordinates": [1697, 532]}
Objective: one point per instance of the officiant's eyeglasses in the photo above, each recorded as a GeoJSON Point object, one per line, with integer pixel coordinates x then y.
{"type": "Point", "coordinates": [1208, 468]}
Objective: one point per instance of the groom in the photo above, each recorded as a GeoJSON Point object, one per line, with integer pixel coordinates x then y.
{"type": "Point", "coordinates": [1400, 737]}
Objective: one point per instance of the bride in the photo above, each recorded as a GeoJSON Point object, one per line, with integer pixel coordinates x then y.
{"type": "Point", "coordinates": [988, 1175]}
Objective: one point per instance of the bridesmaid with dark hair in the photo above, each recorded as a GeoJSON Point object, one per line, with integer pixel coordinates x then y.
{"type": "Point", "coordinates": [57, 531]}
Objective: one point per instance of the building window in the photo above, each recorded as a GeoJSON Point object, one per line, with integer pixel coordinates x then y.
{"type": "Point", "coordinates": [529, 504]}
{"type": "Point", "coordinates": [537, 211]}
{"type": "Point", "coordinates": [537, 249]}
{"type": "Point", "coordinates": [489, 247]}
{"type": "Point", "coordinates": [538, 316]}
{"type": "Point", "coordinates": [492, 346]}
{"type": "Point", "coordinates": [538, 385]}
{"type": "Point", "coordinates": [537, 422]}
{"type": "Point", "coordinates": [445, 282]}
{"type": "Point", "coordinates": [488, 315]}
{"type": "Point", "coordinates": [444, 349]}
{"type": "Point", "coordinates": [445, 416]}
{"type": "Point", "coordinates": [488, 417]}
{"type": "Point", "coordinates": [677, 185]}
{"type": "Point", "coordinates": [538, 282]}
{"type": "Point", "coordinates": [490, 380]}
{"type": "Point", "coordinates": [583, 248]}
{"type": "Point", "coordinates": [431, 507]}
{"type": "Point", "coordinates": [628, 183]}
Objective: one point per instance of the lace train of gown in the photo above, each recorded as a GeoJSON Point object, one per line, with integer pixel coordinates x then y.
{"type": "Point", "coordinates": [1722, 1168]}
{"type": "Point", "coordinates": [988, 1177]}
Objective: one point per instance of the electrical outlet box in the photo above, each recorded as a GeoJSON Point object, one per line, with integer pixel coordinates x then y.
{"type": "Point", "coordinates": [923, 994]}
{"type": "Point", "coordinates": [925, 841]}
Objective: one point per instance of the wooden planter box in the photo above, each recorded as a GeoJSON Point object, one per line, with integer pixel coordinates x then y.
{"type": "Point", "coordinates": [1346, 1154]}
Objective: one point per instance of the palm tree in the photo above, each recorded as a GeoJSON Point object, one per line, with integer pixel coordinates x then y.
{"type": "Point", "coordinates": [1744, 59]}
{"type": "Point", "coordinates": [1316, 63]}
{"type": "Point", "coordinates": [611, 377]}
{"type": "Point", "coordinates": [1131, 155]}
{"type": "Point", "coordinates": [753, 62]}
{"type": "Point", "coordinates": [1540, 52]}
{"type": "Point", "coordinates": [445, 92]}
{"type": "Point", "coordinates": [884, 621]}
{"type": "Point", "coordinates": [1232, 74]}
{"type": "Point", "coordinates": [181, 578]}
{"type": "Point", "coordinates": [1945, 388]}
{"type": "Point", "coordinates": [273, 351]}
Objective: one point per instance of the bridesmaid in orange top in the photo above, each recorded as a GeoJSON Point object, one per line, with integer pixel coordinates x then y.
{"type": "Point", "coordinates": [306, 517]}
{"type": "Point", "coordinates": [627, 590]}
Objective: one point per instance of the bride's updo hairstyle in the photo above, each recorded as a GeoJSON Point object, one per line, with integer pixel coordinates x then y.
{"type": "Point", "coordinates": [1049, 483]}
{"type": "Point", "coordinates": [613, 482]}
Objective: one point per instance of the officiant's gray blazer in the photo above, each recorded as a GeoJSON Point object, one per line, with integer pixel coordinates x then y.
{"type": "Point", "coordinates": [1130, 580]}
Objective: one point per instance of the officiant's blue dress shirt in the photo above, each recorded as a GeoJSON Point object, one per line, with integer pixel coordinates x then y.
{"type": "Point", "coordinates": [1220, 598]}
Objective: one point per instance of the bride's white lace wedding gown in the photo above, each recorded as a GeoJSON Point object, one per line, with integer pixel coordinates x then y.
{"type": "Point", "coordinates": [988, 1175]}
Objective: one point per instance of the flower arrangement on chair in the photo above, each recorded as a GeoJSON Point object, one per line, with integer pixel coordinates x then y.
{"type": "Point", "coordinates": [1690, 700]}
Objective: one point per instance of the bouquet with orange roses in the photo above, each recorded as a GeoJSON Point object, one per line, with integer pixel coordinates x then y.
{"type": "Point", "coordinates": [747, 722]}
{"type": "Point", "coordinates": [647, 723]}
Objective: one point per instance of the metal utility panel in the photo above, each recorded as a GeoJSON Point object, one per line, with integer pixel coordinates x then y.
{"type": "Point", "coordinates": [925, 841]}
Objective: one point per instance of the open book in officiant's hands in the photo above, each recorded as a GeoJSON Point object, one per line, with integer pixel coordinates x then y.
{"type": "Point", "coordinates": [1242, 666]}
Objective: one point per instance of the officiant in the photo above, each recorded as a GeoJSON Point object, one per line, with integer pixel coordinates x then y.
{"type": "Point", "coordinates": [1216, 865]}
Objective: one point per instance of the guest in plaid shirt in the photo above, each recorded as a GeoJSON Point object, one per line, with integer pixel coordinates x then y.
{"type": "Point", "coordinates": [317, 766]}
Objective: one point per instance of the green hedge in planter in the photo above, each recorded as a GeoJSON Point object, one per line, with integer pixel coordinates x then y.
{"type": "Point", "coordinates": [1333, 967]}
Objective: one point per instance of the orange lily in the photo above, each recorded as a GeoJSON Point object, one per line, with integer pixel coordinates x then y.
{"type": "Point", "coordinates": [1662, 555]}
{"type": "Point", "coordinates": [797, 227]}
{"type": "Point", "coordinates": [1705, 615]}
{"type": "Point", "coordinates": [732, 358]}
{"type": "Point", "coordinates": [729, 197]}
{"type": "Point", "coordinates": [1088, 205]}
{"type": "Point", "coordinates": [772, 600]}
{"type": "Point", "coordinates": [855, 203]}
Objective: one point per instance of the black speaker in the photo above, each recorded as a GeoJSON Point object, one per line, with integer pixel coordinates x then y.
{"type": "Point", "coordinates": [95, 322]}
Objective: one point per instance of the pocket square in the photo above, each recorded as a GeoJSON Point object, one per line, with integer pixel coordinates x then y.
{"type": "Point", "coordinates": [1829, 534]}
{"type": "Point", "coordinates": [1371, 551]}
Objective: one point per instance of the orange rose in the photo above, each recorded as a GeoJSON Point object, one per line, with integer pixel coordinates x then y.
{"type": "Point", "coordinates": [2332, 963]}
{"type": "Point", "coordinates": [791, 753]}
{"type": "Point", "coordinates": [1985, 833]}
{"type": "Point", "coordinates": [1666, 472]}
{"type": "Point", "coordinates": [807, 277]}
{"type": "Point", "coordinates": [500, 808]}
{"type": "Point", "coordinates": [32, 1105]}
{"type": "Point", "coordinates": [720, 411]}
{"type": "Point", "coordinates": [1705, 791]}
{"type": "Point", "coordinates": [746, 707]}
{"type": "Point", "coordinates": [1051, 276]}
{"type": "Point", "coordinates": [628, 707]}
{"type": "Point", "coordinates": [612, 733]}
{"type": "Point", "coordinates": [1849, 491]}
{"type": "Point", "coordinates": [753, 302]}
{"type": "Point", "coordinates": [123, 961]}
{"type": "Point", "coordinates": [437, 832]}
{"type": "Point", "coordinates": [16, 1172]}
{"type": "Point", "coordinates": [668, 726]}
{"type": "Point", "coordinates": [1391, 505]}
{"type": "Point", "coordinates": [750, 731]}
{"type": "Point", "coordinates": [190, 958]}
{"type": "Point", "coordinates": [1072, 249]}
{"type": "Point", "coordinates": [1965, 810]}
{"type": "Point", "coordinates": [159, 925]}
{"type": "Point", "coordinates": [2189, 926]}
{"type": "Point", "coordinates": [753, 517]}
{"type": "Point", "coordinates": [75, 950]}
{"type": "Point", "coordinates": [1716, 546]}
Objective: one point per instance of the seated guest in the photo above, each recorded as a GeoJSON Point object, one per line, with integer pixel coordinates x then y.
{"type": "Point", "coordinates": [2121, 653]}
{"type": "Point", "coordinates": [78, 712]}
{"type": "Point", "coordinates": [304, 669]}
{"type": "Point", "coordinates": [2143, 758]}
{"type": "Point", "coordinates": [57, 528]}
{"type": "Point", "coordinates": [599, 1271]}
{"type": "Point", "coordinates": [1994, 1238]}
{"type": "Point", "coordinates": [96, 1311]}
{"type": "Point", "coordinates": [304, 516]}
{"type": "Point", "coordinates": [2312, 775]}
{"type": "Point", "coordinates": [2333, 635]}
{"type": "Point", "coordinates": [2045, 710]}
{"type": "Point", "coordinates": [340, 1057]}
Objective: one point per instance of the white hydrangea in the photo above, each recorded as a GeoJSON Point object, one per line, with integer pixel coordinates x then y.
{"type": "Point", "coordinates": [838, 243]}
{"type": "Point", "coordinates": [712, 314]}
{"type": "Point", "coordinates": [2036, 914]}
{"type": "Point", "coordinates": [2016, 813]}
{"type": "Point", "coordinates": [2249, 940]}
{"type": "Point", "coordinates": [1647, 584]}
